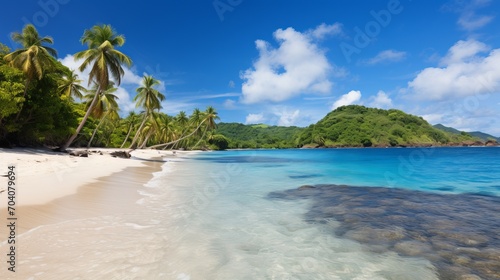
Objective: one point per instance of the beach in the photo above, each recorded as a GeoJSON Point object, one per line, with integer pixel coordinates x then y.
{"type": "Point", "coordinates": [256, 214]}
{"type": "Point", "coordinates": [56, 193]}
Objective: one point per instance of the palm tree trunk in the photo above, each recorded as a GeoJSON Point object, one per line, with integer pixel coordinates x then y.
{"type": "Point", "coordinates": [180, 139]}
{"type": "Point", "coordinates": [146, 140]}
{"type": "Point", "coordinates": [136, 136]}
{"type": "Point", "coordinates": [201, 138]}
{"type": "Point", "coordinates": [95, 130]}
{"type": "Point", "coordinates": [84, 120]}
{"type": "Point", "coordinates": [128, 134]}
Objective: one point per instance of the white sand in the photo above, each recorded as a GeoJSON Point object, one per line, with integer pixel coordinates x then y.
{"type": "Point", "coordinates": [43, 176]}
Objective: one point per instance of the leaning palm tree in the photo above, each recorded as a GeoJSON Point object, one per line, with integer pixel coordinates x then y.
{"type": "Point", "coordinates": [197, 119]}
{"type": "Point", "coordinates": [106, 107]}
{"type": "Point", "coordinates": [130, 121]}
{"type": "Point", "coordinates": [34, 57]}
{"type": "Point", "coordinates": [209, 118]}
{"type": "Point", "coordinates": [70, 86]}
{"type": "Point", "coordinates": [149, 99]}
{"type": "Point", "coordinates": [105, 59]}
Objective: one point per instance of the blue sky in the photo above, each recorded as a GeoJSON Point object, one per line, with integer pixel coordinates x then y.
{"type": "Point", "coordinates": [292, 62]}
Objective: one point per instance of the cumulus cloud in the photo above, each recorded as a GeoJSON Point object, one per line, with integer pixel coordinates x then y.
{"type": "Point", "coordinates": [296, 67]}
{"type": "Point", "coordinates": [286, 117]}
{"type": "Point", "coordinates": [324, 30]}
{"type": "Point", "coordinates": [381, 100]}
{"type": "Point", "coordinates": [464, 72]}
{"type": "Point", "coordinates": [254, 118]}
{"type": "Point", "coordinates": [387, 56]}
{"type": "Point", "coordinates": [347, 99]}
{"type": "Point", "coordinates": [433, 118]}
{"type": "Point", "coordinates": [469, 19]}
{"type": "Point", "coordinates": [463, 51]}
{"type": "Point", "coordinates": [229, 104]}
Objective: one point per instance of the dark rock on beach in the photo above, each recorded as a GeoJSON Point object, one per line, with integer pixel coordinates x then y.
{"type": "Point", "coordinates": [79, 153]}
{"type": "Point", "coordinates": [458, 233]}
{"type": "Point", "coordinates": [120, 154]}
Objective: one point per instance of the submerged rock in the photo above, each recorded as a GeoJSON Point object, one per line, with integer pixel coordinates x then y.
{"type": "Point", "coordinates": [458, 233]}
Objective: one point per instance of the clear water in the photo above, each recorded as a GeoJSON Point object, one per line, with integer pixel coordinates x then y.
{"type": "Point", "coordinates": [209, 217]}
{"type": "Point", "coordinates": [227, 228]}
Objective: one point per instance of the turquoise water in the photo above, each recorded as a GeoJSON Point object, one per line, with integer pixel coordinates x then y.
{"type": "Point", "coordinates": [225, 225]}
{"type": "Point", "coordinates": [285, 214]}
{"type": "Point", "coordinates": [445, 170]}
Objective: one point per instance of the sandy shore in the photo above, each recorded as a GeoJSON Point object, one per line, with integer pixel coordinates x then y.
{"type": "Point", "coordinates": [43, 176]}
{"type": "Point", "coordinates": [56, 193]}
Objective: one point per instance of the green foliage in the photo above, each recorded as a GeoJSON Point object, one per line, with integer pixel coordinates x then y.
{"type": "Point", "coordinates": [219, 142]}
{"type": "Point", "coordinates": [258, 136]}
{"type": "Point", "coordinates": [360, 126]}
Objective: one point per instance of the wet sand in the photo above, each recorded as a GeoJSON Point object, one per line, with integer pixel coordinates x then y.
{"type": "Point", "coordinates": [54, 239]}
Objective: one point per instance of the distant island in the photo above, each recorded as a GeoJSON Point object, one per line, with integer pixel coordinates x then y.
{"type": "Point", "coordinates": [353, 126]}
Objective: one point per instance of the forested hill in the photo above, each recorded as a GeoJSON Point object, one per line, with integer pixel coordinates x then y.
{"type": "Point", "coordinates": [481, 135]}
{"type": "Point", "coordinates": [359, 126]}
{"type": "Point", "coordinates": [259, 135]}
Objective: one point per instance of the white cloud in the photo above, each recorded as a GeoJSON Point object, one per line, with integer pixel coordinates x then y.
{"type": "Point", "coordinates": [254, 118]}
{"type": "Point", "coordinates": [387, 56]}
{"type": "Point", "coordinates": [469, 20]}
{"type": "Point", "coordinates": [468, 16]}
{"type": "Point", "coordinates": [347, 99]}
{"type": "Point", "coordinates": [323, 30]}
{"type": "Point", "coordinates": [296, 67]}
{"type": "Point", "coordinates": [381, 100]}
{"type": "Point", "coordinates": [463, 51]}
{"type": "Point", "coordinates": [124, 100]}
{"type": "Point", "coordinates": [130, 78]}
{"type": "Point", "coordinates": [464, 73]}
{"type": "Point", "coordinates": [433, 118]}
{"type": "Point", "coordinates": [231, 84]}
{"type": "Point", "coordinates": [229, 104]}
{"type": "Point", "coordinates": [286, 117]}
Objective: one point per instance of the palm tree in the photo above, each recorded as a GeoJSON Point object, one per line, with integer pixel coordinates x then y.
{"type": "Point", "coordinates": [106, 100]}
{"type": "Point", "coordinates": [130, 120]}
{"type": "Point", "coordinates": [209, 118]}
{"type": "Point", "coordinates": [102, 41]}
{"type": "Point", "coordinates": [34, 57]}
{"type": "Point", "coordinates": [197, 119]}
{"type": "Point", "coordinates": [70, 86]}
{"type": "Point", "coordinates": [182, 121]}
{"type": "Point", "coordinates": [106, 106]}
{"type": "Point", "coordinates": [149, 99]}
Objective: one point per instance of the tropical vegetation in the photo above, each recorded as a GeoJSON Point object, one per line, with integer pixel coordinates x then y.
{"type": "Point", "coordinates": [42, 102]}
{"type": "Point", "coordinates": [359, 126]}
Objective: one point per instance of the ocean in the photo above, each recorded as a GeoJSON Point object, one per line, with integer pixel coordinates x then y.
{"type": "Point", "coordinates": [396, 213]}
{"type": "Point", "coordinates": [405, 213]}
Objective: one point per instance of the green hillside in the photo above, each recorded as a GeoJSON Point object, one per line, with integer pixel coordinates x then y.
{"type": "Point", "coordinates": [258, 136]}
{"type": "Point", "coordinates": [359, 126]}
{"type": "Point", "coordinates": [481, 135]}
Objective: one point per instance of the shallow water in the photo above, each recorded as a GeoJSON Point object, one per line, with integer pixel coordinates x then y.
{"type": "Point", "coordinates": [239, 215]}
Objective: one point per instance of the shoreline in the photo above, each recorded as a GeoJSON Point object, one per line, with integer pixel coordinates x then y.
{"type": "Point", "coordinates": [44, 176]}
{"type": "Point", "coordinates": [53, 187]}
